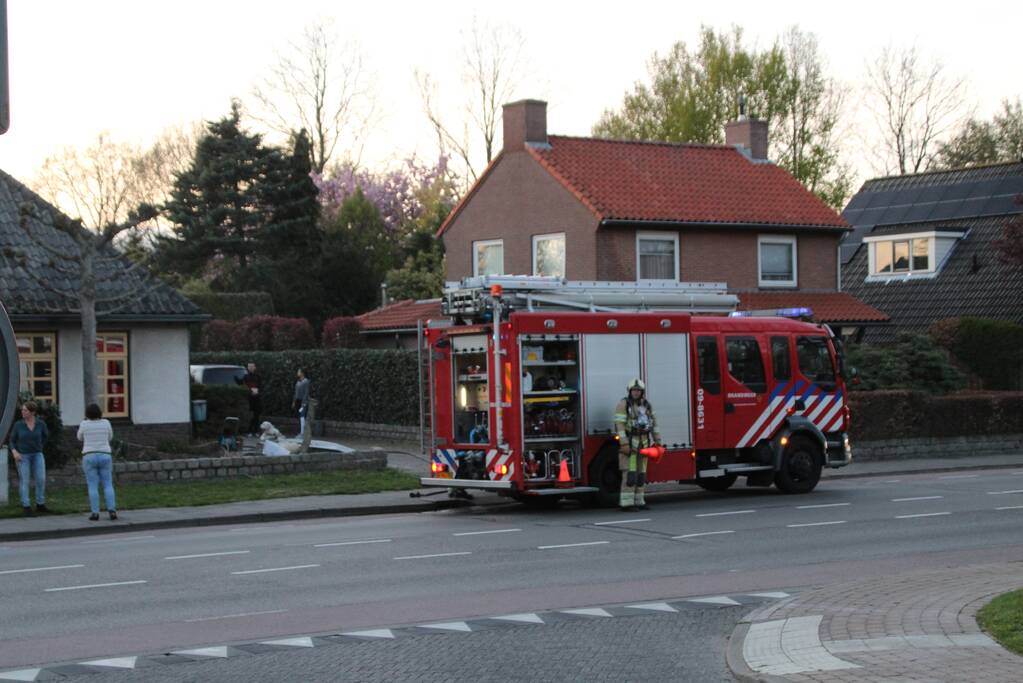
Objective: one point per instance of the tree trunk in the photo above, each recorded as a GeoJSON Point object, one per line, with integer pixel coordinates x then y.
{"type": "Point", "coordinates": [87, 302]}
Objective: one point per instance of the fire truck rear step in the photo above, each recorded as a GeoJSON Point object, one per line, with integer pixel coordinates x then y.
{"type": "Point", "coordinates": [737, 468]}
{"type": "Point", "coordinates": [466, 483]}
{"type": "Point", "coordinates": [560, 492]}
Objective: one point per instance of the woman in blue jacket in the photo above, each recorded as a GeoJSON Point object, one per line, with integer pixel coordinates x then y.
{"type": "Point", "coordinates": [27, 439]}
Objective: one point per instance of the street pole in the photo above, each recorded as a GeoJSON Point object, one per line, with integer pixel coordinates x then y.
{"type": "Point", "coordinates": [9, 381]}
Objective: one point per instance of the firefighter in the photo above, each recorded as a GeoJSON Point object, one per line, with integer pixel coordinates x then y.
{"type": "Point", "coordinates": [636, 426]}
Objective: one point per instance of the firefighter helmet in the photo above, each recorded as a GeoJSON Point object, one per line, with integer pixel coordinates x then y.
{"type": "Point", "coordinates": [636, 384]}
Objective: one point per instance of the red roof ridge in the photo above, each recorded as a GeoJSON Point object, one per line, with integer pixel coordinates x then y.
{"type": "Point", "coordinates": [652, 143]}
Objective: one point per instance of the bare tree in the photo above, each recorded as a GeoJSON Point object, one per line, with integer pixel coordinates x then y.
{"type": "Point", "coordinates": [322, 85]}
{"type": "Point", "coordinates": [91, 274]}
{"type": "Point", "coordinates": [915, 103]}
{"type": "Point", "coordinates": [492, 69]}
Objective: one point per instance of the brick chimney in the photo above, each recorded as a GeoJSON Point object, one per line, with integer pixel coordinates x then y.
{"type": "Point", "coordinates": [525, 123]}
{"type": "Point", "coordinates": [750, 133]}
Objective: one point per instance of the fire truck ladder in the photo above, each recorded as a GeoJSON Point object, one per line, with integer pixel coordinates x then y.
{"type": "Point", "coordinates": [426, 430]}
{"type": "Point", "coordinates": [471, 298]}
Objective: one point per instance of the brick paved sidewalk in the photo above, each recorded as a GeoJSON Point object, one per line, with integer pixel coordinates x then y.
{"type": "Point", "coordinates": [919, 626]}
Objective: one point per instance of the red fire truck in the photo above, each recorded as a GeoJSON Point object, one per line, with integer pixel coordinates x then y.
{"type": "Point", "coordinates": [521, 380]}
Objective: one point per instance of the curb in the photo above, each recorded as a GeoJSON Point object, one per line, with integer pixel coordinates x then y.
{"type": "Point", "coordinates": [248, 518]}
{"type": "Point", "coordinates": [737, 663]}
{"type": "Point", "coordinates": [929, 470]}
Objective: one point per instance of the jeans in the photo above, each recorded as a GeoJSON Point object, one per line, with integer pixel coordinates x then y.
{"type": "Point", "coordinates": [32, 464]}
{"type": "Point", "coordinates": [302, 412]}
{"type": "Point", "coordinates": [99, 467]}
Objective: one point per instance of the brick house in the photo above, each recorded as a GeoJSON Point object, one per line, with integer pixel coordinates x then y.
{"type": "Point", "coordinates": [594, 209]}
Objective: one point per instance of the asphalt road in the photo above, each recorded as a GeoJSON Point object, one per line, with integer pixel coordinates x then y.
{"type": "Point", "coordinates": [152, 592]}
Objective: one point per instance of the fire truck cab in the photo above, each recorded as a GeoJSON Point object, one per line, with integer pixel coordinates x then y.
{"type": "Point", "coordinates": [519, 386]}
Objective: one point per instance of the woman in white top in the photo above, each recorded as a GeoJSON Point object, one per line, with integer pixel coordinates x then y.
{"type": "Point", "coordinates": [95, 434]}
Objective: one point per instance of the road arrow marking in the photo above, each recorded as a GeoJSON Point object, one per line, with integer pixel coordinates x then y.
{"type": "Point", "coordinates": [588, 612]}
{"type": "Point", "coordinates": [375, 633]}
{"type": "Point", "coordinates": [450, 626]}
{"type": "Point", "coordinates": [716, 600]}
{"type": "Point", "coordinates": [777, 595]}
{"type": "Point", "coordinates": [115, 663]}
{"type": "Point", "coordinates": [291, 642]}
{"type": "Point", "coordinates": [656, 606]}
{"type": "Point", "coordinates": [204, 652]}
{"type": "Point", "coordinates": [524, 618]}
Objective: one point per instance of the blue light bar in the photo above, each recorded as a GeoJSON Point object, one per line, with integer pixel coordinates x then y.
{"type": "Point", "coordinates": [796, 312]}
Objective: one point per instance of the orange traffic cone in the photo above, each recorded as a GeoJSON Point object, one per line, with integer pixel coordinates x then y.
{"type": "Point", "coordinates": [652, 452]}
{"type": "Point", "coordinates": [563, 477]}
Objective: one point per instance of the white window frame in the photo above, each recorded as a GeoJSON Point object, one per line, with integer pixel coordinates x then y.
{"type": "Point", "coordinates": [931, 236]}
{"type": "Point", "coordinates": [792, 242]}
{"type": "Point", "coordinates": [475, 254]}
{"type": "Point", "coordinates": [663, 237]}
{"type": "Point", "coordinates": [564, 251]}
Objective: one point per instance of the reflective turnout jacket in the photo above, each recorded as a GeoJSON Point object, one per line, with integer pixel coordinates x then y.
{"type": "Point", "coordinates": [636, 423]}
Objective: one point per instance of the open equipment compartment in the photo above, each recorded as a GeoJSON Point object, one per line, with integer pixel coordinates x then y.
{"type": "Point", "coordinates": [551, 414]}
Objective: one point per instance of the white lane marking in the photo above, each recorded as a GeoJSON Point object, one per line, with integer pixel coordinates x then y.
{"type": "Point", "coordinates": [587, 612]}
{"type": "Point", "coordinates": [236, 616]}
{"type": "Point", "coordinates": [528, 618]}
{"type": "Point", "coordinates": [41, 569]}
{"type": "Point", "coordinates": [190, 557]}
{"type": "Point", "coordinates": [331, 545]}
{"type": "Point", "coordinates": [94, 585]}
{"type": "Point", "coordinates": [774, 594]}
{"type": "Point", "coordinates": [204, 652]}
{"type": "Point", "coordinates": [730, 512]}
{"type": "Point", "coordinates": [275, 569]}
{"type": "Point", "coordinates": [439, 554]}
{"type": "Point", "coordinates": [113, 663]}
{"type": "Point", "coordinates": [656, 606]}
{"type": "Point", "coordinates": [622, 521]}
{"type": "Point", "coordinates": [375, 633]}
{"type": "Point", "coordinates": [126, 539]}
{"type": "Point", "coordinates": [702, 533]}
{"type": "Point", "coordinates": [1011, 507]}
{"type": "Point", "coordinates": [20, 675]}
{"type": "Point", "coordinates": [825, 505]}
{"type": "Point", "coordinates": [450, 626]}
{"type": "Point", "coordinates": [571, 545]}
{"type": "Point", "coordinates": [960, 476]}
{"type": "Point", "coordinates": [481, 533]}
{"type": "Point", "coordinates": [923, 514]}
{"type": "Point", "coordinates": [891, 481]}
{"type": "Point", "coordinates": [715, 600]}
{"type": "Point", "coordinates": [907, 500]}
{"type": "Point", "coordinates": [291, 642]}
{"type": "Point", "coordinates": [797, 526]}
{"type": "Point", "coordinates": [1001, 493]}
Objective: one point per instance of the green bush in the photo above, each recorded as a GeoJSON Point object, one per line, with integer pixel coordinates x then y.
{"type": "Point", "coordinates": [352, 385]}
{"type": "Point", "coordinates": [343, 332]}
{"type": "Point", "coordinates": [879, 415]}
{"type": "Point", "coordinates": [992, 350]}
{"type": "Point", "coordinates": [222, 400]}
{"type": "Point", "coordinates": [913, 362]}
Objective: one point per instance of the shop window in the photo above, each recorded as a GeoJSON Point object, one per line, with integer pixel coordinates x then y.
{"type": "Point", "coordinates": [37, 363]}
{"type": "Point", "coordinates": [112, 373]}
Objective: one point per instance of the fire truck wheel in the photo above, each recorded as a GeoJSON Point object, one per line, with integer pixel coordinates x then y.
{"type": "Point", "coordinates": [606, 476]}
{"type": "Point", "coordinates": [717, 483]}
{"type": "Point", "coordinates": [800, 466]}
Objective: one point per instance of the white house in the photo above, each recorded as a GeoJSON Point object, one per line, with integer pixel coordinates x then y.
{"type": "Point", "coordinates": [142, 341]}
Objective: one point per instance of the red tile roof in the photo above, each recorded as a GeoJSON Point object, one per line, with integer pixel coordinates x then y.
{"type": "Point", "coordinates": [400, 315]}
{"type": "Point", "coordinates": [688, 183]}
{"type": "Point", "coordinates": [828, 307]}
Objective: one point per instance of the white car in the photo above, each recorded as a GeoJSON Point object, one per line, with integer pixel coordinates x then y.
{"type": "Point", "coordinates": [216, 374]}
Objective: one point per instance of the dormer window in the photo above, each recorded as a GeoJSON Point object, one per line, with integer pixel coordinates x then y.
{"type": "Point", "coordinates": [919, 253]}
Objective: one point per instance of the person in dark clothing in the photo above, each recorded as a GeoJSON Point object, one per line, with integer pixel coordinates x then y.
{"type": "Point", "coordinates": [301, 399]}
{"type": "Point", "coordinates": [254, 383]}
{"type": "Point", "coordinates": [27, 439]}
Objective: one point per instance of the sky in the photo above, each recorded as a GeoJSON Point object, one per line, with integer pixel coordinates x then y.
{"type": "Point", "coordinates": [134, 68]}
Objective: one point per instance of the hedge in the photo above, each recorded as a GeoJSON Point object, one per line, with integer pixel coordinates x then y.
{"type": "Point", "coordinates": [913, 363]}
{"type": "Point", "coordinates": [352, 385]}
{"type": "Point", "coordinates": [342, 333]}
{"type": "Point", "coordinates": [990, 349]}
{"type": "Point", "coordinates": [258, 333]}
{"type": "Point", "coordinates": [233, 306]}
{"type": "Point", "coordinates": [882, 415]}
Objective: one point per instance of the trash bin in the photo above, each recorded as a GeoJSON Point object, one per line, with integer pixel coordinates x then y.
{"type": "Point", "coordinates": [199, 410]}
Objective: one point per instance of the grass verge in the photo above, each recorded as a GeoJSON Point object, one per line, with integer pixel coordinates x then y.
{"type": "Point", "coordinates": [212, 492]}
{"type": "Point", "coordinates": [1003, 619]}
